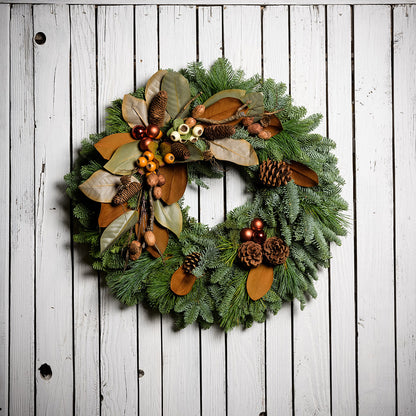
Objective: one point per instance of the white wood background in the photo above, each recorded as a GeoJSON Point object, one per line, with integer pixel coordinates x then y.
{"type": "Point", "coordinates": [352, 351]}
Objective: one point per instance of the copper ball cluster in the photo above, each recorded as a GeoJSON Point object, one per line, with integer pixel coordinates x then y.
{"type": "Point", "coordinates": [254, 233]}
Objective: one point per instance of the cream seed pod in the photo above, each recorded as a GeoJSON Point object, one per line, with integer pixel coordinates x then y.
{"type": "Point", "coordinates": [197, 130]}
{"type": "Point", "coordinates": [193, 139]}
{"type": "Point", "coordinates": [175, 136]}
{"type": "Point", "coordinates": [183, 129]}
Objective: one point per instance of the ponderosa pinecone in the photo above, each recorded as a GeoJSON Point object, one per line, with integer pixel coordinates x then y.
{"type": "Point", "coordinates": [250, 254]}
{"type": "Point", "coordinates": [218, 131]}
{"type": "Point", "coordinates": [180, 151]}
{"type": "Point", "coordinates": [157, 108]}
{"type": "Point", "coordinates": [190, 262]}
{"type": "Point", "coordinates": [273, 173]}
{"type": "Point", "coordinates": [275, 251]}
{"type": "Point", "coordinates": [125, 193]}
{"type": "Point", "coordinates": [135, 250]}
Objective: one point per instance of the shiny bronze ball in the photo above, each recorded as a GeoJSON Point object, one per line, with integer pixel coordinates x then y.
{"type": "Point", "coordinates": [144, 143]}
{"type": "Point", "coordinates": [138, 132]}
{"type": "Point", "coordinates": [257, 224]}
{"type": "Point", "coordinates": [246, 234]}
{"type": "Point", "coordinates": [152, 131]}
{"type": "Point", "coordinates": [259, 236]}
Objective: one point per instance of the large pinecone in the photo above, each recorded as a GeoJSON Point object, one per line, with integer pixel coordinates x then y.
{"type": "Point", "coordinates": [180, 151]}
{"type": "Point", "coordinates": [157, 108]}
{"type": "Point", "coordinates": [126, 192]}
{"type": "Point", "coordinates": [274, 174]}
{"type": "Point", "coordinates": [190, 262]}
{"type": "Point", "coordinates": [218, 131]}
{"type": "Point", "coordinates": [250, 254]}
{"type": "Point", "coordinates": [275, 251]}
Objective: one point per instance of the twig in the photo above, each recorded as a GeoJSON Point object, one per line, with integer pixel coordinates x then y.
{"type": "Point", "coordinates": [188, 104]}
{"type": "Point", "coordinates": [239, 114]}
{"type": "Point", "coordinates": [152, 212]}
{"type": "Point", "coordinates": [273, 112]}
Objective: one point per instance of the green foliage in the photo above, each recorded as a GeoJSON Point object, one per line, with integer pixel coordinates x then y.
{"type": "Point", "coordinates": [307, 219]}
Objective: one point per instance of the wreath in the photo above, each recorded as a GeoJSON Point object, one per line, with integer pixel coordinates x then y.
{"type": "Point", "coordinates": [127, 187]}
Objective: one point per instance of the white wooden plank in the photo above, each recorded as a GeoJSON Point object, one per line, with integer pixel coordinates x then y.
{"type": "Point", "coordinates": [4, 207]}
{"type": "Point", "coordinates": [119, 378]}
{"type": "Point", "coordinates": [150, 359]}
{"type": "Point", "coordinates": [342, 285]}
{"type": "Point", "coordinates": [181, 359]}
{"type": "Point", "coordinates": [53, 258]}
{"type": "Point", "coordinates": [311, 326]}
{"type": "Point", "coordinates": [22, 273]}
{"type": "Point", "coordinates": [86, 283]}
{"type": "Point", "coordinates": [278, 329]}
{"type": "Point", "coordinates": [374, 195]}
{"type": "Point", "coordinates": [405, 179]}
{"type": "Point", "coordinates": [213, 350]}
{"type": "Point", "coordinates": [245, 349]}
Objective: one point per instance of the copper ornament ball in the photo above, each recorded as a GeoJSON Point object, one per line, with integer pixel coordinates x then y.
{"type": "Point", "coordinates": [246, 234]}
{"type": "Point", "coordinates": [152, 131]}
{"type": "Point", "coordinates": [257, 224]}
{"type": "Point", "coordinates": [144, 143]}
{"type": "Point", "coordinates": [259, 236]}
{"type": "Point", "coordinates": [138, 132]}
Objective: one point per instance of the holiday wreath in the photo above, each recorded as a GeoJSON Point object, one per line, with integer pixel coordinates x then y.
{"type": "Point", "coordinates": [172, 132]}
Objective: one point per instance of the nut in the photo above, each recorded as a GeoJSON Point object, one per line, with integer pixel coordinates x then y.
{"type": "Point", "coordinates": [265, 135]}
{"type": "Point", "coordinates": [254, 128]}
{"type": "Point", "coordinates": [190, 121]}
{"type": "Point", "coordinates": [149, 238]}
{"type": "Point", "coordinates": [157, 192]}
{"type": "Point", "coordinates": [152, 179]}
{"type": "Point", "coordinates": [198, 111]}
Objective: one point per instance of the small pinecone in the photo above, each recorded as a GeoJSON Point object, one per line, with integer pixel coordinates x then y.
{"type": "Point", "coordinates": [180, 151]}
{"type": "Point", "coordinates": [157, 108]}
{"type": "Point", "coordinates": [274, 174]}
{"type": "Point", "coordinates": [218, 131]}
{"type": "Point", "coordinates": [135, 250]}
{"type": "Point", "coordinates": [275, 251]}
{"type": "Point", "coordinates": [124, 194]}
{"type": "Point", "coordinates": [250, 254]}
{"type": "Point", "coordinates": [125, 179]}
{"type": "Point", "coordinates": [265, 121]}
{"type": "Point", "coordinates": [190, 262]}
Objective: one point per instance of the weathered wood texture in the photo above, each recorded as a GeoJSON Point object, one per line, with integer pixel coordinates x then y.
{"type": "Point", "coordinates": [351, 351]}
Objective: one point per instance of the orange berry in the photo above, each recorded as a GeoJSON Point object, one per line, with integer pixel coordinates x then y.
{"type": "Point", "coordinates": [142, 161]}
{"type": "Point", "coordinates": [149, 155]}
{"type": "Point", "coordinates": [151, 166]}
{"type": "Point", "coordinates": [169, 158]}
{"type": "Point", "coordinates": [159, 136]}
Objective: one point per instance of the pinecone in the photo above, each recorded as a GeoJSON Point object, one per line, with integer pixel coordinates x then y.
{"type": "Point", "coordinates": [180, 151]}
{"type": "Point", "coordinates": [190, 262]}
{"type": "Point", "coordinates": [125, 179]}
{"type": "Point", "coordinates": [218, 131]}
{"type": "Point", "coordinates": [275, 251]}
{"type": "Point", "coordinates": [274, 174]}
{"type": "Point", "coordinates": [135, 250]}
{"type": "Point", "coordinates": [157, 108]}
{"type": "Point", "coordinates": [265, 120]}
{"type": "Point", "coordinates": [126, 192]}
{"type": "Point", "coordinates": [250, 254]}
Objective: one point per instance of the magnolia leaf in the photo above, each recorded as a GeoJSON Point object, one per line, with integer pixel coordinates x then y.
{"type": "Point", "coordinates": [302, 175]}
{"type": "Point", "coordinates": [123, 160]}
{"type": "Point", "coordinates": [259, 281]}
{"type": "Point", "coordinates": [255, 104]}
{"type": "Point", "coordinates": [101, 186]}
{"type": "Point", "coordinates": [169, 216]}
{"type": "Point", "coordinates": [153, 85]}
{"type": "Point", "coordinates": [117, 228]}
{"type": "Point", "coordinates": [176, 180]}
{"type": "Point", "coordinates": [109, 213]}
{"type": "Point", "coordinates": [179, 93]}
{"type": "Point", "coordinates": [181, 282]}
{"type": "Point", "coordinates": [196, 154]}
{"type": "Point", "coordinates": [134, 111]}
{"type": "Point", "coordinates": [234, 93]}
{"type": "Point", "coordinates": [223, 109]}
{"type": "Point", "coordinates": [275, 126]}
{"type": "Point", "coordinates": [109, 144]}
{"type": "Point", "coordinates": [240, 152]}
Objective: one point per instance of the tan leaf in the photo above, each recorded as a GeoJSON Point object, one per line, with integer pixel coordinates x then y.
{"type": "Point", "coordinates": [101, 186]}
{"type": "Point", "coordinates": [176, 180]}
{"type": "Point", "coordinates": [153, 85]}
{"type": "Point", "coordinates": [222, 109]}
{"type": "Point", "coordinates": [259, 281]}
{"type": "Point", "coordinates": [109, 213]}
{"type": "Point", "coordinates": [275, 126]}
{"type": "Point", "coordinates": [134, 111]}
{"type": "Point", "coordinates": [303, 176]}
{"type": "Point", "coordinates": [240, 151]}
{"type": "Point", "coordinates": [109, 144]}
{"type": "Point", "coordinates": [181, 282]}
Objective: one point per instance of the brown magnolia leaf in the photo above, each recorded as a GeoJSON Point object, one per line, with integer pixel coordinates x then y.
{"type": "Point", "coordinates": [176, 180]}
{"type": "Point", "coordinates": [109, 144]}
{"type": "Point", "coordinates": [259, 281]}
{"type": "Point", "coordinates": [302, 175]}
{"type": "Point", "coordinates": [153, 85]}
{"type": "Point", "coordinates": [134, 111]}
{"type": "Point", "coordinates": [181, 282]}
{"type": "Point", "coordinates": [275, 126]}
{"type": "Point", "coordinates": [223, 109]}
{"type": "Point", "coordinates": [109, 213]}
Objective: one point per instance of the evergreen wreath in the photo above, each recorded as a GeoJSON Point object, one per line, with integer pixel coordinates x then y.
{"type": "Point", "coordinates": [172, 132]}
